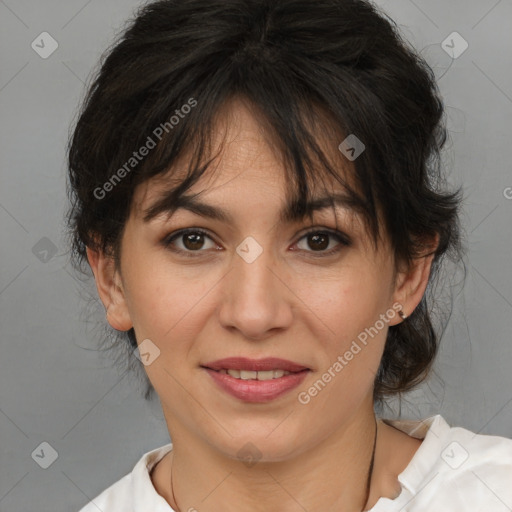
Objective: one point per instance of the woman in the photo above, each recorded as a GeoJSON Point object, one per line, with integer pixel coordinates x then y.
{"type": "Point", "coordinates": [255, 186]}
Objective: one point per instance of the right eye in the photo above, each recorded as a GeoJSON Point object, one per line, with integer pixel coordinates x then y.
{"type": "Point", "coordinates": [191, 240]}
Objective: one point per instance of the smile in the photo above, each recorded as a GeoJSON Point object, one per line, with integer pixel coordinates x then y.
{"type": "Point", "coordinates": [251, 375]}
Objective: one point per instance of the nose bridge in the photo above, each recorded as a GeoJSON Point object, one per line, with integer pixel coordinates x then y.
{"type": "Point", "coordinates": [252, 268]}
{"type": "Point", "coordinates": [254, 301]}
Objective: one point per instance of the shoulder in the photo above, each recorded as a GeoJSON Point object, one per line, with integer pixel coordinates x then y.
{"type": "Point", "coordinates": [475, 459]}
{"type": "Point", "coordinates": [461, 450]}
{"type": "Point", "coordinates": [115, 498]}
{"type": "Point", "coordinates": [455, 467]}
{"type": "Point", "coordinates": [134, 492]}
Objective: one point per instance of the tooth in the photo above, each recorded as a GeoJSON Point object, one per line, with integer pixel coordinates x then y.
{"type": "Point", "coordinates": [247, 375]}
{"type": "Point", "coordinates": [253, 375]}
{"type": "Point", "coordinates": [265, 375]}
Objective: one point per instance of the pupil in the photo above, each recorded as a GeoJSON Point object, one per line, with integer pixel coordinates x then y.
{"type": "Point", "coordinates": [193, 241]}
{"type": "Point", "coordinates": [318, 237]}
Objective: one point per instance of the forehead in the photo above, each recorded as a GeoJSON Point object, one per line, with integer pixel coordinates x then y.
{"type": "Point", "coordinates": [243, 144]}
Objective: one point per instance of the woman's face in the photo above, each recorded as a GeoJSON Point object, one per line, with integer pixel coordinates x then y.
{"type": "Point", "coordinates": [255, 287]}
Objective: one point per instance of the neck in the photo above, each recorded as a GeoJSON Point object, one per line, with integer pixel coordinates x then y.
{"type": "Point", "coordinates": [329, 476]}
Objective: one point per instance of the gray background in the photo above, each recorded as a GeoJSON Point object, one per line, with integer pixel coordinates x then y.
{"type": "Point", "coordinates": [55, 388]}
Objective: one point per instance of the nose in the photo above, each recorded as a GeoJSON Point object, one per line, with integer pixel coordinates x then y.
{"type": "Point", "coordinates": [256, 297]}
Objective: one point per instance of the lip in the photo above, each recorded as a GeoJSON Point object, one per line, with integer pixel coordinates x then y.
{"type": "Point", "coordinates": [255, 365]}
{"type": "Point", "coordinates": [257, 391]}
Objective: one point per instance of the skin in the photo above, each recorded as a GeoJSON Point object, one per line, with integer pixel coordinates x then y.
{"type": "Point", "coordinates": [287, 304]}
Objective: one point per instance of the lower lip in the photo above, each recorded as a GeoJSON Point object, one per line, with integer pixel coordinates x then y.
{"type": "Point", "coordinates": [257, 390]}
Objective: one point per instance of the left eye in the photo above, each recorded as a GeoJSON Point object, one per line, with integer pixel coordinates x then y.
{"type": "Point", "coordinates": [317, 241]}
{"type": "Point", "coordinates": [320, 241]}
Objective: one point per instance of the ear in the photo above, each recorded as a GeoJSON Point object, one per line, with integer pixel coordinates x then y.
{"type": "Point", "coordinates": [411, 283]}
{"type": "Point", "coordinates": [110, 289]}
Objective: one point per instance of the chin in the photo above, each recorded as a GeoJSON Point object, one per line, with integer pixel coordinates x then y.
{"type": "Point", "coordinates": [260, 447]}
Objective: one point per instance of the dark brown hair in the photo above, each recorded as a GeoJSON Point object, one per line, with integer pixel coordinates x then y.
{"type": "Point", "coordinates": [289, 59]}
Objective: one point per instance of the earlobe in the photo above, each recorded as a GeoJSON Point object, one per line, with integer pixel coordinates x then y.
{"type": "Point", "coordinates": [110, 289]}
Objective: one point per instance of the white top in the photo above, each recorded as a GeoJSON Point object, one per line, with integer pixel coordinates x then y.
{"type": "Point", "coordinates": [453, 470]}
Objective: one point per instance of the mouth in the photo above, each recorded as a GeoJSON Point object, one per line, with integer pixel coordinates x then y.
{"type": "Point", "coordinates": [254, 380]}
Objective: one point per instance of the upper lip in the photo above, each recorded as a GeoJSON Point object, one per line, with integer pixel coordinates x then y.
{"type": "Point", "coordinates": [257, 365]}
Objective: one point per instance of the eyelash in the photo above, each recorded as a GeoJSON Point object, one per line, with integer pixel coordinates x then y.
{"type": "Point", "coordinates": [344, 241]}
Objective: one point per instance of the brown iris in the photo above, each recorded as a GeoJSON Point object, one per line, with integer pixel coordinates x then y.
{"type": "Point", "coordinates": [193, 241]}
{"type": "Point", "coordinates": [319, 241]}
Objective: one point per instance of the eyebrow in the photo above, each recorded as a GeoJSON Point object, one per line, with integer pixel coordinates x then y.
{"type": "Point", "coordinates": [169, 204]}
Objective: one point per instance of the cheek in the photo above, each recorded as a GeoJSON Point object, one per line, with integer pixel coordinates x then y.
{"type": "Point", "coordinates": [165, 302]}
{"type": "Point", "coordinates": [346, 323]}
{"type": "Point", "coordinates": [346, 301]}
